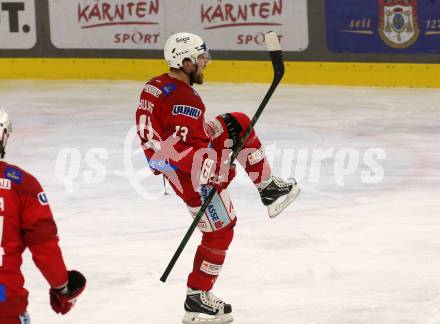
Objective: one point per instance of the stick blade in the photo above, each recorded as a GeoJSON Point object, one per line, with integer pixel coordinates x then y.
{"type": "Point", "coordinates": [272, 42]}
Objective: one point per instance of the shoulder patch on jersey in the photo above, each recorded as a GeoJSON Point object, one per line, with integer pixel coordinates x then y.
{"type": "Point", "coordinates": [2, 293]}
{"type": "Point", "coordinates": [42, 198]}
{"type": "Point", "coordinates": [189, 111]}
{"type": "Point", "coordinates": [13, 174]}
{"type": "Point", "coordinates": [5, 184]}
{"type": "Point", "coordinates": [151, 89]}
{"type": "Point", "coordinates": [169, 88]}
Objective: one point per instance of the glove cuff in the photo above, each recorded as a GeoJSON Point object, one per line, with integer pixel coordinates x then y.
{"type": "Point", "coordinates": [76, 282]}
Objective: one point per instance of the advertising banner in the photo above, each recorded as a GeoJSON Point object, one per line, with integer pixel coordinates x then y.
{"type": "Point", "coordinates": [383, 26]}
{"type": "Point", "coordinates": [225, 25]}
{"type": "Point", "coordinates": [241, 24]}
{"type": "Point", "coordinates": [111, 24]}
{"type": "Point", "coordinates": [17, 24]}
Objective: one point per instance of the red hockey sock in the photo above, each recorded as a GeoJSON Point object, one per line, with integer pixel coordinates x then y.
{"type": "Point", "coordinates": [210, 257]}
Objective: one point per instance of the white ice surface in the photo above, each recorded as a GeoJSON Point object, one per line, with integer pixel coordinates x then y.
{"type": "Point", "coordinates": [346, 252]}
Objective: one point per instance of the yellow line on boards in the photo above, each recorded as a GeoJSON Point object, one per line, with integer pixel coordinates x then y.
{"type": "Point", "coordinates": [319, 73]}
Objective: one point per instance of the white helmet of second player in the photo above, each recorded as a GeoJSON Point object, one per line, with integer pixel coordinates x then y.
{"type": "Point", "coordinates": [182, 46]}
{"type": "Point", "coordinates": [5, 130]}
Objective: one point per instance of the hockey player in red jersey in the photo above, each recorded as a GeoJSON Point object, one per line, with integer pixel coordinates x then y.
{"type": "Point", "coordinates": [26, 222]}
{"type": "Point", "coordinates": [191, 154]}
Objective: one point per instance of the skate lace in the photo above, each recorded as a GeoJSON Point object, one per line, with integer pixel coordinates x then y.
{"type": "Point", "coordinates": [281, 183]}
{"type": "Point", "coordinates": [211, 300]}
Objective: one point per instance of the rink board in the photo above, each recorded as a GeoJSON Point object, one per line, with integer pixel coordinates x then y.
{"type": "Point", "coordinates": [320, 73]}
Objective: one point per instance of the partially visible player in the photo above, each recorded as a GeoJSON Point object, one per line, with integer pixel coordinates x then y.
{"type": "Point", "coordinates": [193, 155]}
{"type": "Point", "coordinates": [26, 222]}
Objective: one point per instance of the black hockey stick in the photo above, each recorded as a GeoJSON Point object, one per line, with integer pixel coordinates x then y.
{"type": "Point", "coordinates": [276, 57]}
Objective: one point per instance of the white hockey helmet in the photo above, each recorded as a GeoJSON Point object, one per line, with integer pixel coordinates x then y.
{"type": "Point", "coordinates": [5, 129]}
{"type": "Point", "coordinates": [182, 46]}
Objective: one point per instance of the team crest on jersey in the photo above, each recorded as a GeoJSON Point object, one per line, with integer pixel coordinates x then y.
{"type": "Point", "coordinates": [42, 198]}
{"type": "Point", "coordinates": [398, 22]}
{"type": "Point", "coordinates": [189, 111]}
{"type": "Point", "coordinates": [169, 88]}
{"type": "Point", "coordinates": [5, 184]}
{"type": "Point", "coordinates": [13, 174]}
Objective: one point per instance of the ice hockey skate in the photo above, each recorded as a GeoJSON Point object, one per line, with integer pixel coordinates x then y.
{"type": "Point", "coordinates": [277, 194]}
{"type": "Point", "coordinates": [203, 307]}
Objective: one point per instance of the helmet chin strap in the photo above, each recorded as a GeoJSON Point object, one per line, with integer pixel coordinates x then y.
{"type": "Point", "coordinates": [191, 79]}
{"type": "Point", "coordinates": [3, 147]}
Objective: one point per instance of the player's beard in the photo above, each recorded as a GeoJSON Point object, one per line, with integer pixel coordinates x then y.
{"type": "Point", "coordinates": [198, 78]}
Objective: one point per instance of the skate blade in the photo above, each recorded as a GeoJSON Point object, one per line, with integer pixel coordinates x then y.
{"type": "Point", "coordinates": [277, 207]}
{"type": "Point", "coordinates": [191, 318]}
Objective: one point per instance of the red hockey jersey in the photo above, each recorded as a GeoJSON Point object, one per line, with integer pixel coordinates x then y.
{"type": "Point", "coordinates": [171, 120]}
{"type": "Point", "coordinates": [25, 222]}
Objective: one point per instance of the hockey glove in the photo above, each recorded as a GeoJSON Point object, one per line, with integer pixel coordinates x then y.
{"type": "Point", "coordinates": [63, 299]}
{"type": "Point", "coordinates": [220, 177]}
